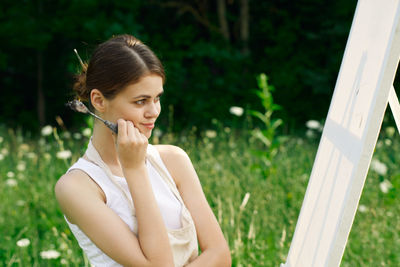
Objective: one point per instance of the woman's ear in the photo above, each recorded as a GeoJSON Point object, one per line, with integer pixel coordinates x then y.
{"type": "Point", "coordinates": [98, 100]}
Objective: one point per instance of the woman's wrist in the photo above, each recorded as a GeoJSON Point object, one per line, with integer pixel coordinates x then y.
{"type": "Point", "coordinates": [133, 172]}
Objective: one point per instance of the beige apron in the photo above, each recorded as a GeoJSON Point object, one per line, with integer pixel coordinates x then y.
{"type": "Point", "coordinates": [183, 241]}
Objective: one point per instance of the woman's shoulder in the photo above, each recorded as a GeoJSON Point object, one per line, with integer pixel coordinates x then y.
{"type": "Point", "coordinates": [174, 159]}
{"type": "Point", "coordinates": [71, 179]}
{"type": "Point", "coordinates": [167, 151]}
{"type": "Point", "coordinates": [74, 184]}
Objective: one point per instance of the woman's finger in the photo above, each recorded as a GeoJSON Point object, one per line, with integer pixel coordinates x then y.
{"type": "Point", "coordinates": [130, 129]}
{"type": "Point", "coordinates": [122, 134]}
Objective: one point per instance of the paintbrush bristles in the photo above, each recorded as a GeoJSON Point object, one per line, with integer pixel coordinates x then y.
{"type": "Point", "coordinates": [77, 106]}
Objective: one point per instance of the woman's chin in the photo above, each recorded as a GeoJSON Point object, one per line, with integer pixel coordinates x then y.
{"type": "Point", "coordinates": [147, 134]}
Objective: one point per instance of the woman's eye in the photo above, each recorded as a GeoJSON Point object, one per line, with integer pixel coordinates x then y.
{"type": "Point", "coordinates": [140, 102]}
{"type": "Point", "coordinates": [143, 101]}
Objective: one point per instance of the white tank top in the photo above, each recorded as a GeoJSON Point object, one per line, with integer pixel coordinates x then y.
{"type": "Point", "coordinates": [170, 206]}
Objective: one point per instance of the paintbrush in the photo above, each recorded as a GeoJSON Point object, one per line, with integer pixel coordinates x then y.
{"type": "Point", "coordinates": [78, 106]}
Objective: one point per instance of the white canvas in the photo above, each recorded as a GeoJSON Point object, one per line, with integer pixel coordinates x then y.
{"type": "Point", "coordinates": [349, 136]}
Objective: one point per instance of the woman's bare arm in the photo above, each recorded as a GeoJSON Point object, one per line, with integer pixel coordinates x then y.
{"type": "Point", "coordinates": [215, 250]}
{"type": "Point", "coordinates": [131, 147]}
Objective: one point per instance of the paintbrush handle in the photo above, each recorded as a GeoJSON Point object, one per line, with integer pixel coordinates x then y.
{"type": "Point", "coordinates": [109, 124]}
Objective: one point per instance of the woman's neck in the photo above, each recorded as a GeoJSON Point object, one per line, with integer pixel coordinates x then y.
{"type": "Point", "coordinates": [103, 141]}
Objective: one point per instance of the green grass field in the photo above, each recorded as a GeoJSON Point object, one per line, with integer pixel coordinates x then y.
{"type": "Point", "coordinates": [259, 231]}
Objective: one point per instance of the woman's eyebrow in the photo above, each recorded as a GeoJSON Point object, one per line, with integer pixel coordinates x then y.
{"type": "Point", "coordinates": [147, 96]}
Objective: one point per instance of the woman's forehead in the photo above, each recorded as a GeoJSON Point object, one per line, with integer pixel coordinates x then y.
{"type": "Point", "coordinates": [148, 85]}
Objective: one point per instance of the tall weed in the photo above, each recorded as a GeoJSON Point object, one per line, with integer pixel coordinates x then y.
{"type": "Point", "coordinates": [267, 136]}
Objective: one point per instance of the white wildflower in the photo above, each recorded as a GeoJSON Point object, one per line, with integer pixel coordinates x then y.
{"type": "Point", "coordinates": [379, 144]}
{"type": "Point", "coordinates": [46, 156]}
{"type": "Point", "coordinates": [237, 111]}
{"type": "Point", "coordinates": [4, 151]}
{"type": "Point", "coordinates": [24, 242]}
{"type": "Point", "coordinates": [77, 136]}
{"type": "Point", "coordinates": [211, 134]}
{"type": "Point", "coordinates": [20, 139]}
{"type": "Point", "coordinates": [209, 146]}
{"type": "Point", "coordinates": [362, 208]}
{"type": "Point", "coordinates": [42, 142]}
{"type": "Point", "coordinates": [63, 261]}
{"type": "Point", "coordinates": [314, 125]}
{"type": "Point", "coordinates": [390, 131]}
{"type": "Point", "coordinates": [31, 155]}
{"type": "Point", "coordinates": [227, 130]}
{"type": "Point", "coordinates": [232, 145]}
{"type": "Point", "coordinates": [66, 135]}
{"type": "Point", "coordinates": [49, 254]}
{"type": "Point", "coordinates": [300, 141]}
{"type": "Point", "coordinates": [87, 132]}
{"type": "Point", "coordinates": [21, 166]}
{"type": "Point", "coordinates": [20, 203]}
{"type": "Point", "coordinates": [64, 154]}
{"type": "Point", "coordinates": [10, 174]}
{"type": "Point", "coordinates": [379, 167]}
{"type": "Point", "coordinates": [388, 142]}
{"type": "Point", "coordinates": [1, 157]}
{"type": "Point", "coordinates": [11, 182]}
{"type": "Point", "coordinates": [47, 130]}
{"type": "Point", "coordinates": [385, 186]}
{"type": "Point", "coordinates": [63, 246]}
{"type": "Point", "coordinates": [217, 166]}
{"type": "Point", "coordinates": [310, 133]}
{"type": "Point", "coordinates": [24, 147]}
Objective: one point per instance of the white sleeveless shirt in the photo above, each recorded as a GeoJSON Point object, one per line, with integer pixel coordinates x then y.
{"type": "Point", "coordinates": [170, 207]}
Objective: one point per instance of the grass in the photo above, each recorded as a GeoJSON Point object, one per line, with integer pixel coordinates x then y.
{"type": "Point", "coordinates": [257, 214]}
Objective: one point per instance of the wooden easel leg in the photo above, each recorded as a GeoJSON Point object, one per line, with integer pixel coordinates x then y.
{"type": "Point", "coordinates": [395, 107]}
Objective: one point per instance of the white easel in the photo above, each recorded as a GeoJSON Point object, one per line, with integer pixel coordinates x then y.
{"type": "Point", "coordinates": [363, 89]}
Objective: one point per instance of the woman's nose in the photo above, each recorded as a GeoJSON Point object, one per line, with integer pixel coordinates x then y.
{"type": "Point", "coordinates": [153, 110]}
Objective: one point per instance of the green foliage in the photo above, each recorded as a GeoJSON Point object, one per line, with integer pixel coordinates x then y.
{"type": "Point", "coordinates": [267, 135]}
{"type": "Point", "coordinates": [299, 45]}
{"type": "Point", "coordinates": [257, 216]}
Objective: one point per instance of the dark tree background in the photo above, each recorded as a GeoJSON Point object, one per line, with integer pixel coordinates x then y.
{"type": "Point", "coordinates": [212, 52]}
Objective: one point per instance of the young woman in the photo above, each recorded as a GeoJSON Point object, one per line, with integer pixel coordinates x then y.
{"type": "Point", "coordinates": [126, 201]}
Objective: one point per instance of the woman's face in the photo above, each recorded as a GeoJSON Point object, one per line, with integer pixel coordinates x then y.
{"type": "Point", "coordinates": [139, 103]}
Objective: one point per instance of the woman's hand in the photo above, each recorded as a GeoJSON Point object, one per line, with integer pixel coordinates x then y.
{"type": "Point", "coordinates": [131, 145]}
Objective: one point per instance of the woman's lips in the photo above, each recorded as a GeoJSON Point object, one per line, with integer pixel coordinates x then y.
{"type": "Point", "coordinates": [148, 125]}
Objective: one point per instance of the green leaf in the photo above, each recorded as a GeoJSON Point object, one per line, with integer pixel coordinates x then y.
{"type": "Point", "coordinates": [259, 115]}
{"type": "Point", "coordinates": [262, 138]}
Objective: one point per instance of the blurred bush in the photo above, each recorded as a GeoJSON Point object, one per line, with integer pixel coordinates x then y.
{"type": "Point", "coordinates": [212, 51]}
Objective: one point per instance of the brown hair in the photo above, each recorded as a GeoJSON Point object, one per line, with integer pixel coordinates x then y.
{"type": "Point", "coordinates": [116, 63]}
